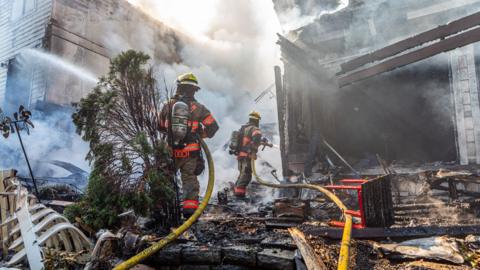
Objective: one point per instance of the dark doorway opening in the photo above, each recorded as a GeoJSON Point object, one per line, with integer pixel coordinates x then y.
{"type": "Point", "coordinates": [405, 115]}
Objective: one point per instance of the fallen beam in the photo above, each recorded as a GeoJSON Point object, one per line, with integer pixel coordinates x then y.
{"type": "Point", "coordinates": [404, 232]}
{"type": "Point", "coordinates": [312, 260]}
{"type": "Point", "coordinates": [460, 40]}
{"type": "Point", "coordinates": [412, 42]}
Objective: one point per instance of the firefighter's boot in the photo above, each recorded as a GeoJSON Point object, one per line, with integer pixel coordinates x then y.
{"type": "Point", "coordinates": [240, 192]}
{"type": "Point", "coordinates": [189, 207]}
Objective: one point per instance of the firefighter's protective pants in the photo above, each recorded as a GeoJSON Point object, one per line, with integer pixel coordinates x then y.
{"type": "Point", "coordinates": [245, 168]}
{"type": "Point", "coordinates": [190, 184]}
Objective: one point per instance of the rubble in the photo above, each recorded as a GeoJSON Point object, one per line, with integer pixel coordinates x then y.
{"type": "Point", "coordinates": [312, 260]}
{"type": "Point", "coordinates": [28, 227]}
{"type": "Point", "coordinates": [227, 235]}
{"type": "Point", "coordinates": [406, 215]}
{"type": "Point", "coordinates": [436, 248]}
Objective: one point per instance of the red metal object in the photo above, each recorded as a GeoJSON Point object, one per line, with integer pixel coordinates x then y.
{"type": "Point", "coordinates": [341, 224]}
{"type": "Point", "coordinates": [360, 213]}
{"type": "Point", "coordinates": [354, 181]}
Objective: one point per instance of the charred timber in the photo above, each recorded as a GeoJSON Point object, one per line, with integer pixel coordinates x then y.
{"type": "Point", "coordinates": [412, 42]}
{"type": "Point", "coordinates": [448, 44]}
{"type": "Point", "coordinates": [404, 232]}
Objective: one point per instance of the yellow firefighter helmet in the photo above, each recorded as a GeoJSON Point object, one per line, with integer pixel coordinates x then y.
{"type": "Point", "coordinates": [187, 79]}
{"type": "Point", "coordinates": [255, 115]}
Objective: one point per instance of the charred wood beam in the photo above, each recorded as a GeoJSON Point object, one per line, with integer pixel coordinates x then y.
{"type": "Point", "coordinates": [311, 258]}
{"type": "Point", "coordinates": [444, 45]}
{"type": "Point", "coordinates": [406, 207]}
{"type": "Point", "coordinates": [469, 180]}
{"type": "Point", "coordinates": [404, 232]}
{"type": "Point", "coordinates": [452, 189]}
{"type": "Point", "coordinates": [298, 57]}
{"type": "Point", "coordinates": [459, 191]}
{"type": "Point", "coordinates": [281, 110]}
{"type": "Point", "coordinates": [412, 42]}
{"type": "Point", "coordinates": [421, 211]}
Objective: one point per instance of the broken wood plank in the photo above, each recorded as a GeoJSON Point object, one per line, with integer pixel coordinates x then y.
{"type": "Point", "coordinates": [412, 42]}
{"type": "Point", "coordinates": [429, 265]}
{"type": "Point", "coordinates": [448, 44]}
{"type": "Point", "coordinates": [404, 232]}
{"type": "Point", "coordinates": [312, 260]}
{"type": "Point", "coordinates": [415, 206]}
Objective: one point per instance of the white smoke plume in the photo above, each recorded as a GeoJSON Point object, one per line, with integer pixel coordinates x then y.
{"type": "Point", "coordinates": [53, 137]}
{"type": "Point", "coordinates": [232, 49]}
{"type": "Point", "coordinates": [233, 53]}
{"type": "Point", "coordinates": [293, 15]}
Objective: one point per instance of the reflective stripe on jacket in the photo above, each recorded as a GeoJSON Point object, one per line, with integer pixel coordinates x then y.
{"type": "Point", "coordinates": [201, 124]}
{"type": "Point", "coordinates": [252, 137]}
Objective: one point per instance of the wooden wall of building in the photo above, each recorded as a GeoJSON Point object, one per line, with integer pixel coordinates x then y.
{"type": "Point", "coordinates": [23, 24]}
{"type": "Point", "coordinates": [350, 118]}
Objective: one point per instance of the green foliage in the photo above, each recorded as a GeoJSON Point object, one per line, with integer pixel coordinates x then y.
{"type": "Point", "coordinates": [131, 161]}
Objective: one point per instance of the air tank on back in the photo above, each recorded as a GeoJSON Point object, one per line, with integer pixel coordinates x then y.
{"type": "Point", "coordinates": [180, 117]}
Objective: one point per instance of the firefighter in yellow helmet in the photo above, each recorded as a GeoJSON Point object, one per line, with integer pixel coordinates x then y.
{"type": "Point", "coordinates": [186, 121]}
{"type": "Point", "coordinates": [249, 139]}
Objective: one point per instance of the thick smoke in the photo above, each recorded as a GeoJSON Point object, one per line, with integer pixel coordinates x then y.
{"type": "Point", "coordinates": [233, 52]}
{"type": "Point", "coordinates": [229, 45]}
{"type": "Point", "coordinates": [53, 137]}
{"type": "Point", "coordinates": [295, 14]}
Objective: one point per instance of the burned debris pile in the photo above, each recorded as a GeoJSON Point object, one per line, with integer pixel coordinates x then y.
{"type": "Point", "coordinates": [379, 142]}
{"type": "Point", "coordinates": [252, 234]}
{"type": "Point", "coordinates": [30, 229]}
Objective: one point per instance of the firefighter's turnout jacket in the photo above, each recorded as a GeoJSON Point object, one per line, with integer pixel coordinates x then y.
{"type": "Point", "coordinates": [252, 137]}
{"type": "Point", "coordinates": [188, 160]}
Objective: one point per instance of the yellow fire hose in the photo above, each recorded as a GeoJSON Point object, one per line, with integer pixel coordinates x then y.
{"type": "Point", "coordinates": [347, 230]}
{"type": "Point", "coordinates": [180, 230]}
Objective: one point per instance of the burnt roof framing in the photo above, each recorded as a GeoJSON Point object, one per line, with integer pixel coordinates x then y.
{"type": "Point", "coordinates": [412, 42]}
{"type": "Point", "coordinates": [444, 45]}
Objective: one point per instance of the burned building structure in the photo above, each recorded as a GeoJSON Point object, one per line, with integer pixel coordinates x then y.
{"type": "Point", "coordinates": [397, 79]}
{"type": "Point", "coordinates": [52, 51]}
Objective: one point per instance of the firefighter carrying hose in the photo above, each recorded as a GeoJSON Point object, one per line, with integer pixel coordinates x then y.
{"type": "Point", "coordinates": [186, 121]}
{"type": "Point", "coordinates": [244, 144]}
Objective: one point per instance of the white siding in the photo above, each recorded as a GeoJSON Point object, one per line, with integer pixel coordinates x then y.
{"type": "Point", "coordinates": [27, 31]}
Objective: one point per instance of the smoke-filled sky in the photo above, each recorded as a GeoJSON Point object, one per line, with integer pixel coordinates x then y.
{"type": "Point", "coordinates": [294, 14]}
{"type": "Point", "coordinates": [233, 54]}
{"type": "Point", "coordinates": [53, 136]}
{"type": "Point", "coordinates": [231, 48]}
